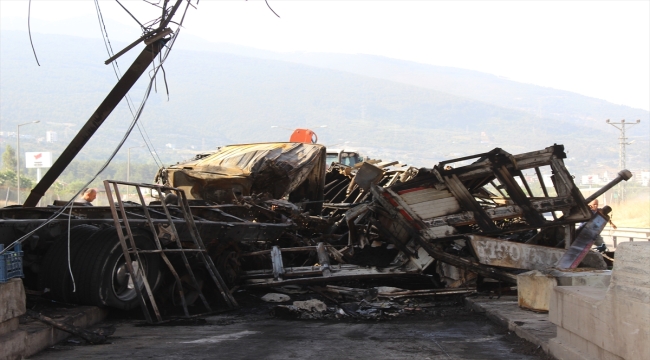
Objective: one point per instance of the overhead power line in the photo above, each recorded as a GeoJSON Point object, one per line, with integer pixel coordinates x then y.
{"type": "Point", "coordinates": [118, 73]}
{"type": "Point", "coordinates": [168, 47]}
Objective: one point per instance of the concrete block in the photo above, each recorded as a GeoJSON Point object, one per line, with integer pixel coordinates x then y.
{"type": "Point", "coordinates": [562, 351]}
{"type": "Point", "coordinates": [13, 345]}
{"type": "Point", "coordinates": [41, 336]}
{"type": "Point", "coordinates": [569, 346]}
{"type": "Point", "coordinates": [579, 344]}
{"type": "Point", "coordinates": [616, 325]}
{"type": "Point", "coordinates": [9, 325]}
{"type": "Point", "coordinates": [12, 299]}
{"type": "Point", "coordinates": [579, 277]}
{"type": "Point", "coordinates": [34, 336]}
{"type": "Point", "coordinates": [534, 288]}
{"type": "Point", "coordinates": [608, 323]}
{"type": "Point", "coordinates": [631, 273]}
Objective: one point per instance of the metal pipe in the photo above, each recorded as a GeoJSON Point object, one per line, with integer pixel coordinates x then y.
{"type": "Point", "coordinates": [18, 159]}
{"type": "Point", "coordinates": [622, 175]}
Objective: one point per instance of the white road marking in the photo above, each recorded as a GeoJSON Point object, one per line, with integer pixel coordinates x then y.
{"type": "Point", "coordinates": [220, 338]}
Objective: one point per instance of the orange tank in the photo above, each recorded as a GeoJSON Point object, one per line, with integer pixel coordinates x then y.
{"type": "Point", "coordinates": [304, 136]}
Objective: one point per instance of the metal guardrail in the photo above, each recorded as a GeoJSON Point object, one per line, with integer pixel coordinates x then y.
{"type": "Point", "coordinates": [614, 237]}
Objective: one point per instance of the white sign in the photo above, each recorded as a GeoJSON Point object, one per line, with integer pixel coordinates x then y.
{"type": "Point", "coordinates": [38, 159]}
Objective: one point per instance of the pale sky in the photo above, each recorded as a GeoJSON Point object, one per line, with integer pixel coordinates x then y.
{"type": "Point", "coordinates": [595, 48]}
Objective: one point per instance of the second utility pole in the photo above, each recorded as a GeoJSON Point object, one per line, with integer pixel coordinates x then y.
{"type": "Point", "coordinates": [622, 141]}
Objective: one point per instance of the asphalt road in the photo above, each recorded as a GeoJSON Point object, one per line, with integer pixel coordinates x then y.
{"type": "Point", "coordinates": [457, 335]}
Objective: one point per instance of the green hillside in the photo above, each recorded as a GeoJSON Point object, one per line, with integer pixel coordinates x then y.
{"type": "Point", "coordinates": [218, 98]}
{"type": "Point", "coordinates": [538, 100]}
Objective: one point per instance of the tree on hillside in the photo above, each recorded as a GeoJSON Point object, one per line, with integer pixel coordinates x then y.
{"type": "Point", "coordinates": [9, 159]}
{"type": "Point", "coordinates": [8, 178]}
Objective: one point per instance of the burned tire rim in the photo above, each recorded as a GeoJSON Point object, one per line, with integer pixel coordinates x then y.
{"type": "Point", "coordinates": [107, 282]}
{"type": "Point", "coordinates": [122, 283]}
{"type": "Point", "coordinates": [190, 291]}
{"type": "Point", "coordinates": [229, 267]}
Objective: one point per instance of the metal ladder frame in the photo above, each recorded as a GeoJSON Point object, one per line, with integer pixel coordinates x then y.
{"type": "Point", "coordinates": [120, 219]}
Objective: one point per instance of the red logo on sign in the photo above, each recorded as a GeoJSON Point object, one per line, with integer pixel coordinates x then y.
{"type": "Point", "coordinates": [38, 156]}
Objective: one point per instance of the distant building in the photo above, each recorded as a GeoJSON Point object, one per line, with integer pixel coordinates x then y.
{"type": "Point", "coordinates": [51, 136]}
{"type": "Point", "coordinates": [594, 179]}
{"type": "Point", "coordinates": [645, 178]}
{"type": "Point", "coordinates": [485, 139]}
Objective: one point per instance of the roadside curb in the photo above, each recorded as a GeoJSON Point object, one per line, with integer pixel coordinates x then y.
{"type": "Point", "coordinates": [505, 311]}
{"type": "Point", "coordinates": [33, 336]}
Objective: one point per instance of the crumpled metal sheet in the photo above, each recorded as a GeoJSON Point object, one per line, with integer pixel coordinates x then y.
{"type": "Point", "coordinates": [250, 158]}
{"type": "Point", "coordinates": [276, 168]}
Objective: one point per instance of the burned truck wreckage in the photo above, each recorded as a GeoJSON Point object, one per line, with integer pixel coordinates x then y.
{"type": "Point", "coordinates": [273, 214]}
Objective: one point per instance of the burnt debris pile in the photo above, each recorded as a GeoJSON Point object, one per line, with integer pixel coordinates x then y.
{"type": "Point", "coordinates": [274, 215]}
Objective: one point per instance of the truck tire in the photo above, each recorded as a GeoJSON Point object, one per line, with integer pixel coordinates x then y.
{"type": "Point", "coordinates": [55, 274]}
{"type": "Point", "coordinates": [103, 279]}
{"type": "Point", "coordinates": [229, 267]}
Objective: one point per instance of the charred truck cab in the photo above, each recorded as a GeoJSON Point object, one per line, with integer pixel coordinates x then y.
{"type": "Point", "coordinates": [291, 170]}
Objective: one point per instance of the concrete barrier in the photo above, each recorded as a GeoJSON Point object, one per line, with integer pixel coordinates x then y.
{"type": "Point", "coordinates": [12, 306]}
{"type": "Point", "coordinates": [613, 237]}
{"type": "Point", "coordinates": [18, 341]}
{"type": "Point", "coordinates": [534, 288]}
{"type": "Point", "coordinates": [606, 324]}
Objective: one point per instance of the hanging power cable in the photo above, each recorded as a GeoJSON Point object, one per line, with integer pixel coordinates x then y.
{"type": "Point", "coordinates": [134, 122]}
{"type": "Point", "coordinates": [29, 29]}
{"type": "Point", "coordinates": [134, 18]}
{"type": "Point", "coordinates": [103, 167]}
{"type": "Point", "coordinates": [118, 74]}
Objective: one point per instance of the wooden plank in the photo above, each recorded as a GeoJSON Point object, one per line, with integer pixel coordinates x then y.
{"type": "Point", "coordinates": [524, 161]}
{"type": "Point", "coordinates": [384, 164]}
{"type": "Point", "coordinates": [404, 208]}
{"type": "Point", "coordinates": [401, 192]}
{"type": "Point", "coordinates": [502, 212]}
{"type": "Point", "coordinates": [517, 195]}
{"type": "Point", "coordinates": [434, 204]}
{"type": "Point", "coordinates": [440, 231]}
{"type": "Point", "coordinates": [424, 195]}
{"type": "Point", "coordinates": [91, 337]}
{"type": "Point", "coordinates": [436, 208]}
{"type": "Point", "coordinates": [469, 203]}
{"type": "Point", "coordinates": [497, 252]}
{"type": "Point", "coordinates": [426, 214]}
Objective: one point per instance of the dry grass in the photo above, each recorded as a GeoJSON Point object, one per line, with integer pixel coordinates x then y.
{"type": "Point", "coordinates": [632, 213]}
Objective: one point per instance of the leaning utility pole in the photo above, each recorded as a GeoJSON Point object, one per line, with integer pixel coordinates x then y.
{"type": "Point", "coordinates": [622, 141]}
{"type": "Point", "coordinates": [154, 44]}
